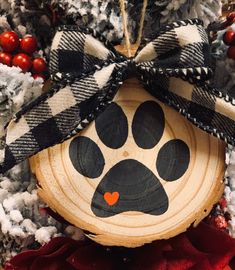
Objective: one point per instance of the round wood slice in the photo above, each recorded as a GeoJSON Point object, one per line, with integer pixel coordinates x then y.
{"type": "Point", "coordinates": [139, 173]}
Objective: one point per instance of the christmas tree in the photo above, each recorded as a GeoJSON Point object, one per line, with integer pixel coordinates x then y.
{"type": "Point", "coordinates": [26, 222]}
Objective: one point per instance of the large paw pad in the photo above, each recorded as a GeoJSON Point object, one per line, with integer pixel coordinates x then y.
{"type": "Point", "coordinates": [129, 185]}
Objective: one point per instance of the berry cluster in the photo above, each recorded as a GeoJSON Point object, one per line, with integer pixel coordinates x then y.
{"type": "Point", "coordinates": [219, 216]}
{"type": "Point", "coordinates": [19, 52]}
{"type": "Point", "coordinates": [229, 36]}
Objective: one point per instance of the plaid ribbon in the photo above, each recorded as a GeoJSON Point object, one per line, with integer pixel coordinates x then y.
{"type": "Point", "coordinates": [87, 72]}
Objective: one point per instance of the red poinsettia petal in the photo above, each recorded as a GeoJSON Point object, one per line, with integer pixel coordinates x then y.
{"type": "Point", "coordinates": [150, 256]}
{"type": "Point", "coordinates": [26, 258]}
{"type": "Point", "coordinates": [91, 257]}
{"type": "Point", "coordinates": [53, 265]}
{"type": "Point", "coordinates": [218, 245]}
{"type": "Point", "coordinates": [201, 248]}
{"type": "Point", "coordinates": [55, 260]}
{"type": "Point", "coordinates": [227, 268]}
{"type": "Point", "coordinates": [206, 238]}
{"type": "Point", "coordinates": [183, 255]}
{"type": "Point", "coordinates": [158, 262]}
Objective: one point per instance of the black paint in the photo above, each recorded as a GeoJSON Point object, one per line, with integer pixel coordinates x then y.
{"type": "Point", "coordinates": [138, 188]}
{"type": "Point", "coordinates": [112, 126]}
{"type": "Point", "coordinates": [173, 160]}
{"type": "Point", "coordinates": [148, 124]}
{"type": "Point", "coordinates": [86, 157]}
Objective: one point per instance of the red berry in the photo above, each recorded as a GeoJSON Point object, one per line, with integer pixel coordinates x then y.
{"type": "Point", "coordinates": [5, 58]}
{"type": "Point", "coordinates": [229, 37]}
{"type": "Point", "coordinates": [37, 76]}
{"type": "Point", "coordinates": [223, 203]}
{"type": "Point", "coordinates": [39, 65]}
{"type": "Point", "coordinates": [28, 44]}
{"type": "Point", "coordinates": [23, 61]}
{"type": "Point", "coordinates": [42, 211]}
{"type": "Point", "coordinates": [220, 222]}
{"type": "Point", "coordinates": [231, 17]}
{"type": "Point", "coordinates": [9, 41]}
{"type": "Point", "coordinates": [231, 52]}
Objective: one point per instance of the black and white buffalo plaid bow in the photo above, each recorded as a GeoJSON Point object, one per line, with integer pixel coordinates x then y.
{"type": "Point", "coordinates": [87, 73]}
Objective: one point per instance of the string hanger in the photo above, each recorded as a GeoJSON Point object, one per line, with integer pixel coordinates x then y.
{"type": "Point", "coordinates": [125, 28]}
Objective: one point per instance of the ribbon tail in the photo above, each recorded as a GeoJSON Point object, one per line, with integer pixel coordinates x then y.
{"type": "Point", "coordinates": [206, 107]}
{"type": "Point", "coordinates": [62, 115]}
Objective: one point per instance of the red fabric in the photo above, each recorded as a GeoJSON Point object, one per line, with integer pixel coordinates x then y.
{"type": "Point", "coordinates": [201, 248]}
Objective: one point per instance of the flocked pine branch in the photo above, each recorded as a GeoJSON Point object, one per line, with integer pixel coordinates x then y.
{"type": "Point", "coordinates": [20, 219]}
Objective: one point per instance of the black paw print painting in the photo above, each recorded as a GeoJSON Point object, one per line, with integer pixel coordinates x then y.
{"type": "Point", "coordinates": [129, 185]}
{"type": "Point", "coordinates": [138, 173]}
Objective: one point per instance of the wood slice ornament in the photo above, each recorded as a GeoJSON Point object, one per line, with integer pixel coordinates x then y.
{"type": "Point", "coordinates": [140, 172]}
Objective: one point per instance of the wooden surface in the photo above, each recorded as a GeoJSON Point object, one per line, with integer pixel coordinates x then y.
{"type": "Point", "coordinates": [139, 173]}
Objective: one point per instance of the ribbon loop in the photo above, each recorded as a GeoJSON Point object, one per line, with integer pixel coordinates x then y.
{"type": "Point", "coordinates": [178, 50]}
{"type": "Point", "coordinates": [79, 52]}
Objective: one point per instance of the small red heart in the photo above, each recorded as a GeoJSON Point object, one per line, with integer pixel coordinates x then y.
{"type": "Point", "coordinates": [111, 198]}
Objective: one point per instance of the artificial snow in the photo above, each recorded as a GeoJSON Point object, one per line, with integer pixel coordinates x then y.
{"type": "Point", "coordinates": [22, 223]}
